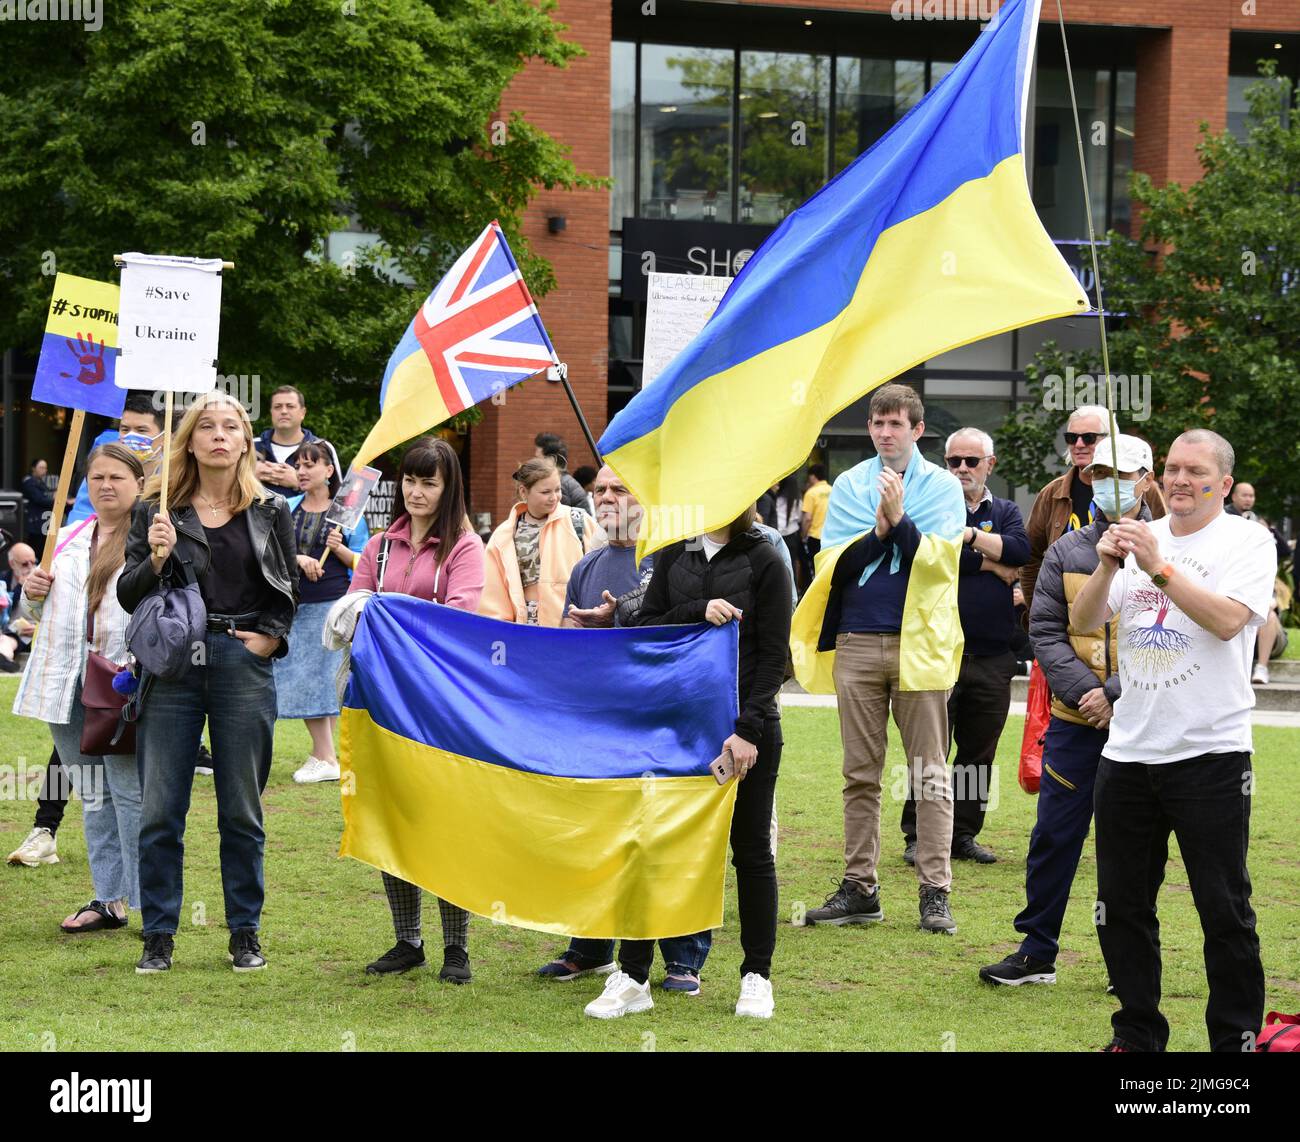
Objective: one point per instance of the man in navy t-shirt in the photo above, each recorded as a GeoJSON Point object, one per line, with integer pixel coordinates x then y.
{"type": "Point", "coordinates": [601, 576]}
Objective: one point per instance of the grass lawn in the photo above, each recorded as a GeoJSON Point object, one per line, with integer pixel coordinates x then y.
{"type": "Point", "coordinates": [1293, 644]}
{"type": "Point", "coordinates": [888, 987]}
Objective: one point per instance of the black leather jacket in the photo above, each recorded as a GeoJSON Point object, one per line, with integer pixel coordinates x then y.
{"type": "Point", "coordinates": [270, 527]}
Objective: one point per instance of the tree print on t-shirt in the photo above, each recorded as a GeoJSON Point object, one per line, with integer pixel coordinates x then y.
{"type": "Point", "coordinates": [1156, 648]}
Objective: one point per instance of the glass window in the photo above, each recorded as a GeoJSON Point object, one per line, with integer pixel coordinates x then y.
{"type": "Point", "coordinates": [686, 98]}
{"type": "Point", "coordinates": [1057, 192]}
{"type": "Point", "coordinates": [938, 69]}
{"type": "Point", "coordinates": [622, 128]}
{"type": "Point", "coordinates": [871, 95]}
{"type": "Point", "coordinates": [784, 100]}
{"type": "Point", "coordinates": [1121, 214]}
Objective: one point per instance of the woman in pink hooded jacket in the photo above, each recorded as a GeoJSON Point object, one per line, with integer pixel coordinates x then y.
{"type": "Point", "coordinates": [431, 553]}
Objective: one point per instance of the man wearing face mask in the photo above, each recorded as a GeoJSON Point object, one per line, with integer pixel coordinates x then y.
{"type": "Point", "coordinates": [1066, 503]}
{"type": "Point", "coordinates": [1082, 671]}
{"type": "Point", "coordinates": [140, 429]}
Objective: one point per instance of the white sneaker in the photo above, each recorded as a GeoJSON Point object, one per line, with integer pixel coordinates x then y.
{"type": "Point", "coordinates": [317, 770]}
{"type": "Point", "coordinates": [203, 770]}
{"type": "Point", "coordinates": [1259, 676]}
{"type": "Point", "coordinates": [622, 996]}
{"type": "Point", "coordinates": [755, 997]}
{"type": "Point", "coordinates": [39, 848]}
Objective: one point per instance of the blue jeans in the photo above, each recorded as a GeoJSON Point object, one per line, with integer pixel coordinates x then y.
{"type": "Point", "coordinates": [1070, 757]}
{"type": "Point", "coordinates": [109, 788]}
{"type": "Point", "coordinates": [234, 690]}
{"type": "Point", "coordinates": [681, 953]}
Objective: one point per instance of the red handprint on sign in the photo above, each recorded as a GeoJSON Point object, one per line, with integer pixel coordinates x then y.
{"type": "Point", "coordinates": [90, 359]}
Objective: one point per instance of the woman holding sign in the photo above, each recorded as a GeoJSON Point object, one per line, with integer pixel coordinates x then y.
{"type": "Point", "coordinates": [304, 678]}
{"type": "Point", "coordinates": [76, 607]}
{"type": "Point", "coordinates": [236, 538]}
{"type": "Point", "coordinates": [429, 551]}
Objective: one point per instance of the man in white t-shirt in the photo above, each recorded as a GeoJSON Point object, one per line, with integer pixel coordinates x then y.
{"type": "Point", "coordinates": [1192, 589]}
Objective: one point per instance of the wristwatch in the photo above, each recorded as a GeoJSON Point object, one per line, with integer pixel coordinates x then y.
{"type": "Point", "coordinates": [1162, 575]}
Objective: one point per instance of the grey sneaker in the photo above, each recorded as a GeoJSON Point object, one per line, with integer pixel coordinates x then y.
{"type": "Point", "coordinates": [909, 853]}
{"type": "Point", "coordinates": [936, 916]}
{"type": "Point", "coordinates": [848, 904]}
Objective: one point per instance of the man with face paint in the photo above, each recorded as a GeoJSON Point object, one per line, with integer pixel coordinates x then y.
{"type": "Point", "coordinates": [1081, 667]}
{"type": "Point", "coordinates": [1187, 593]}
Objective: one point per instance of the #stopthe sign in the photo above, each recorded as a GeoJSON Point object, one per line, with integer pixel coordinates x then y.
{"type": "Point", "coordinates": [169, 318]}
{"type": "Point", "coordinates": [78, 351]}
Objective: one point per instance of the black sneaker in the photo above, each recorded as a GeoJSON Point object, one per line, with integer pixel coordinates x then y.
{"type": "Point", "coordinates": [399, 958]}
{"type": "Point", "coordinates": [936, 916]}
{"type": "Point", "coordinates": [848, 904]}
{"type": "Point", "coordinates": [157, 954]}
{"type": "Point", "coordinates": [245, 951]}
{"type": "Point", "coordinates": [968, 848]}
{"type": "Point", "coordinates": [1017, 969]}
{"type": "Point", "coordinates": [909, 853]}
{"type": "Point", "coordinates": [455, 965]}
{"type": "Point", "coordinates": [1117, 1046]}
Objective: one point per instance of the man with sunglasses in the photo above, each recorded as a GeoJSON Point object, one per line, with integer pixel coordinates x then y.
{"type": "Point", "coordinates": [1066, 503]}
{"type": "Point", "coordinates": [995, 546]}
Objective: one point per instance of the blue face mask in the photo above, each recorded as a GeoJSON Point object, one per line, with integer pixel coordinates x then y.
{"type": "Point", "coordinates": [139, 443]}
{"type": "Point", "coordinates": [1103, 495]}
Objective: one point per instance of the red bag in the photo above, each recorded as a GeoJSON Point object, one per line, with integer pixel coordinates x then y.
{"type": "Point", "coordinates": [1281, 1033]}
{"type": "Point", "coordinates": [1038, 712]}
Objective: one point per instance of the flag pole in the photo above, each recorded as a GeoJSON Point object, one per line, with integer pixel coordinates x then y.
{"type": "Point", "coordinates": [65, 486]}
{"type": "Point", "coordinates": [562, 371]}
{"type": "Point", "coordinates": [1096, 267]}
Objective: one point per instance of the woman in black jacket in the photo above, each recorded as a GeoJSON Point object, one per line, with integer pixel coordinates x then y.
{"type": "Point", "coordinates": [237, 539]}
{"type": "Point", "coordinates": [732, 574]}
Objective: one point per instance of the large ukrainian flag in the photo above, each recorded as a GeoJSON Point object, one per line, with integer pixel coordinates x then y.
{"type": "Point", "coordinates": [551, 779]}
{"type": "Point", "coordinates": [926, 242]}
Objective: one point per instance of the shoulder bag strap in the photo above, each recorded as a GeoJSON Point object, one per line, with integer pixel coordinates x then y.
{"type": "Point", "coordinates": [381, 565]}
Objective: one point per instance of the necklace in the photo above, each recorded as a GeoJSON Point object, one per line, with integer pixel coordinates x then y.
{"type": "Point", "coordinates": [215, 509]}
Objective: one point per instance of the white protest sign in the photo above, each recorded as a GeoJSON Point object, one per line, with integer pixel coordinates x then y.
{"type": "Point", "coordinates": [677, 307]}
{"type": "Point", "coordinates": [169, 315]}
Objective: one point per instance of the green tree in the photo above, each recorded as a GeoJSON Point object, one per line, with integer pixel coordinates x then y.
{"type": "Point", "coordinates": [251, 130]}
{"type": "Point", "coordinates": [1211, 298]}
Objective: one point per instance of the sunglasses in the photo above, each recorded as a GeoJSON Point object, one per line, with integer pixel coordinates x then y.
{"type": "Point", "coordinates": [956, 462]}
{"type": "Point", "coordinates": [1089, 438]}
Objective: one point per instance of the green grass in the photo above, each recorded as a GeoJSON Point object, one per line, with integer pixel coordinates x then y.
{"type": "Point", "coordinates": [889, 987]}
{"type": "Point", "coordinates": [1293, 644]}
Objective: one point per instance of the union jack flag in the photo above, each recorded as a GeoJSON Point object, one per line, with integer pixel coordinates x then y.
{"type": "Point", "coordinates": [476, 334]}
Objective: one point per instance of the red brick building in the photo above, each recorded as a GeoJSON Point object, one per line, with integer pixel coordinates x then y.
{"type": "Point", "coordinates": [1145, 75]}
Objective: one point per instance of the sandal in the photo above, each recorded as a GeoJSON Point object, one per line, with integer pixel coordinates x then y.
{"type": "Point", "coordinates": [107, 919]}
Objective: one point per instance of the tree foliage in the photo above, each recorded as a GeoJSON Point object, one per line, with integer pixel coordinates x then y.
{"type": "Point", "coordinates": [251, 130]}
{"type": "Point", "coordinates": [1210, 294]}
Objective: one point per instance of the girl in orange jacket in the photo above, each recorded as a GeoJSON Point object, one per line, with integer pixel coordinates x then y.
{"type": "Point", "coordinates": [532, 553]}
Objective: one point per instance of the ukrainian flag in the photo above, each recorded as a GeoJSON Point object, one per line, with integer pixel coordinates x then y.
{"type": "Point", "coordinates": [550, 779]}
{"type": "Point", "coordinates": [926, 242]}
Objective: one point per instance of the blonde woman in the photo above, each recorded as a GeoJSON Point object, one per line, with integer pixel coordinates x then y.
{"type": "Point", "coordinates": [76, 608]}
{"type": "Point", "coordinates": [237, 539]}
{"type": "Point", "coordinates": [532, 553]}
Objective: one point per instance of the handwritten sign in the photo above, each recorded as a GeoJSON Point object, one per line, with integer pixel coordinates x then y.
{"type": "Point", "coordinates": [78, 351]}
{"type": "Point", "coordinates": [379, 507]}
{"type": "Point", "coordinates": [678, 307]}
{"type": "Point", "coordinates": [169, 321]}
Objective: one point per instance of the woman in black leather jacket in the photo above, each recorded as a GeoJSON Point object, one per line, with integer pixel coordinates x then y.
{"type": "Point", "coordinates": [237, 538]}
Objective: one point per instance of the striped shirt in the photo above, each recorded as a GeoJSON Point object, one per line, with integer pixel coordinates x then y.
{"type": "Point", "coordinates": [58, 657]}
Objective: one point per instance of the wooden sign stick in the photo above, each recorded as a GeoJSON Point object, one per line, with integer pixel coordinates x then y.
{"type": "Point", "coordinates": [161, 552]}
{"type": "Point", "coordinates": [65, 485]}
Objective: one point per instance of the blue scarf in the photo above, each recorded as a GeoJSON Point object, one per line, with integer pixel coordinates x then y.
{"type": "Point", "coordinates": [932, 499]}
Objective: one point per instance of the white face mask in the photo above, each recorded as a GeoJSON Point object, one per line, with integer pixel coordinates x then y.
{"type": "Point", "coordinates": [1103, 495]}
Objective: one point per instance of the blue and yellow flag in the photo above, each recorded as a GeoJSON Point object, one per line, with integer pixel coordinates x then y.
{"type": "Point", "coordinates": [79, 350]}
{"type": "Point", "coordinates": [551, 779]}
{"type": "Point", "coordinates": [926, 242]}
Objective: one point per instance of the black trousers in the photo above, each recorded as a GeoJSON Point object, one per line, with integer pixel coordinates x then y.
{"type": "Point", "coordinates": [54, 796]}
{"type": "Point", "coordinates": [977, 712]}
{"type": "Point", "coordinates": [751, 855]}
{"type": "Point", "coordinates": [1205, 802]}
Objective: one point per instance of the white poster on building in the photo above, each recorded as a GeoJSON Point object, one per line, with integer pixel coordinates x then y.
{"type": "Point", "coordinates": [169, 315]}
{"type": "Point", "coordinates": [677, 307]}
